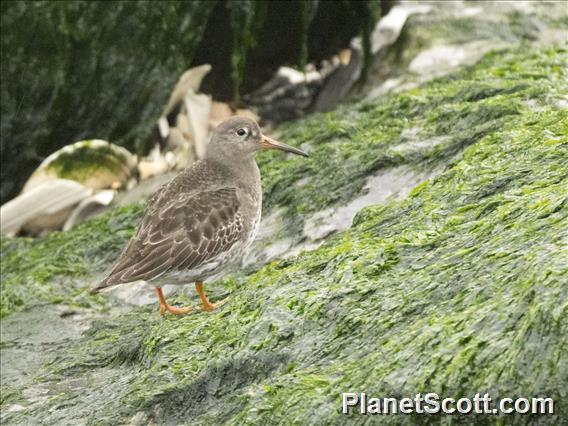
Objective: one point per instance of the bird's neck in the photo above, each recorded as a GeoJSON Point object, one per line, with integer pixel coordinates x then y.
{"type": "Point", "coordinates": [243, 168]}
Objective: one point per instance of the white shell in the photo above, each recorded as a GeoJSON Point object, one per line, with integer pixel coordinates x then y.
{"type": "Point", "coordinates": [44, 207]}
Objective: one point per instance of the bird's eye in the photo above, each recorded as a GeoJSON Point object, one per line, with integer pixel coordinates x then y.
{"type": "Point", "coordinates": [242, 132]}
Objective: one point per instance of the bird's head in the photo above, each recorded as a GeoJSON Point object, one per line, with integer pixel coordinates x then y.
{"type": "Point", "coordinates": [239, 137]}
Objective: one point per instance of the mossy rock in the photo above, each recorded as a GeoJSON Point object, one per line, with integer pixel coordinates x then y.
{"type": "Point", "coordinates": [458, 289]}
{"type": "Point", "coordinates": [96, 164]}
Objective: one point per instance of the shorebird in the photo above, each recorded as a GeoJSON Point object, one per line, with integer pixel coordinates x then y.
{"type": "Point", "coordinates": [201, 221]}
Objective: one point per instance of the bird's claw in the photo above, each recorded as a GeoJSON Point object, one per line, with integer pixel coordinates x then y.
{"type": "Point", "coordinates": [174, 310]}
{"type": "Point", "coordinates": [208, 307]}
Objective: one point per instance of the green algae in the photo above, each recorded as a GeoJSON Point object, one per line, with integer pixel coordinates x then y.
{"type": "Point", "coordinates": [86, 159]}
{"type": "Point", "coordinates": [458, 289]}
{"type": "Point", "coordinates": [465, 107]}
{"type": "Point", "coordinates": [52, 269]}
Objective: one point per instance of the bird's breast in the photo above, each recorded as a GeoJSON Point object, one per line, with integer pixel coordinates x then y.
{"type": "Point", "coordinates": [252, 206]}
{"type": "Point", "coordinates": [251, 192]}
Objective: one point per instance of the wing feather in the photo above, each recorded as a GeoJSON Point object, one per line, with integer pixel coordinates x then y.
{"type": "Point", "coordinates": [182, 234]}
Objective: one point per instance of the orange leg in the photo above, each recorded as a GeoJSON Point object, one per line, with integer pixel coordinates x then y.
{"type": "Point", "coordinates": [206, 305]}
{"type": "Point", "coordinates": [165, 307]}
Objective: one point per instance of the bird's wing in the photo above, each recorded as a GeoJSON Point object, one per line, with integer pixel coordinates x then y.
{"type": "Point", "coordinates": [183, 234]}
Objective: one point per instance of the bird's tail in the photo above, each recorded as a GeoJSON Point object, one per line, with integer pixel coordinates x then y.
{"type": "Point", "coordinates": [109, 281]}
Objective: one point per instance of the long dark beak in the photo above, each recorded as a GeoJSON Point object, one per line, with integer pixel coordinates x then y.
{"type": "Point", "coordinates": [269, 143]}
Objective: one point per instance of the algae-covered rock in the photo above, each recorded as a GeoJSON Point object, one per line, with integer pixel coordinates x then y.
{"type": "Point", "coordinates": [458, 288]}
{"type": "Point", "coordinates": [42, 270]}
{"type": "Point", "coordinates": [439, 37]}
{"type": "Point", "coordinates": [96, 164]}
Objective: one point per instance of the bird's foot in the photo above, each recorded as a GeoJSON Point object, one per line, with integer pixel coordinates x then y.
{"type": "Point", "coordinates": [166, 307]}
{"type": "Point", "coordinates": [208, 306]}
{"type": "Point", "coordinates": [172, 309]}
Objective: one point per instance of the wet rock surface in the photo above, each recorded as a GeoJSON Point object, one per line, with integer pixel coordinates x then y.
{"type": "Point", "coordinates": [425, 230]}
{"type": "Point", "coordinates": [462, 276]}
